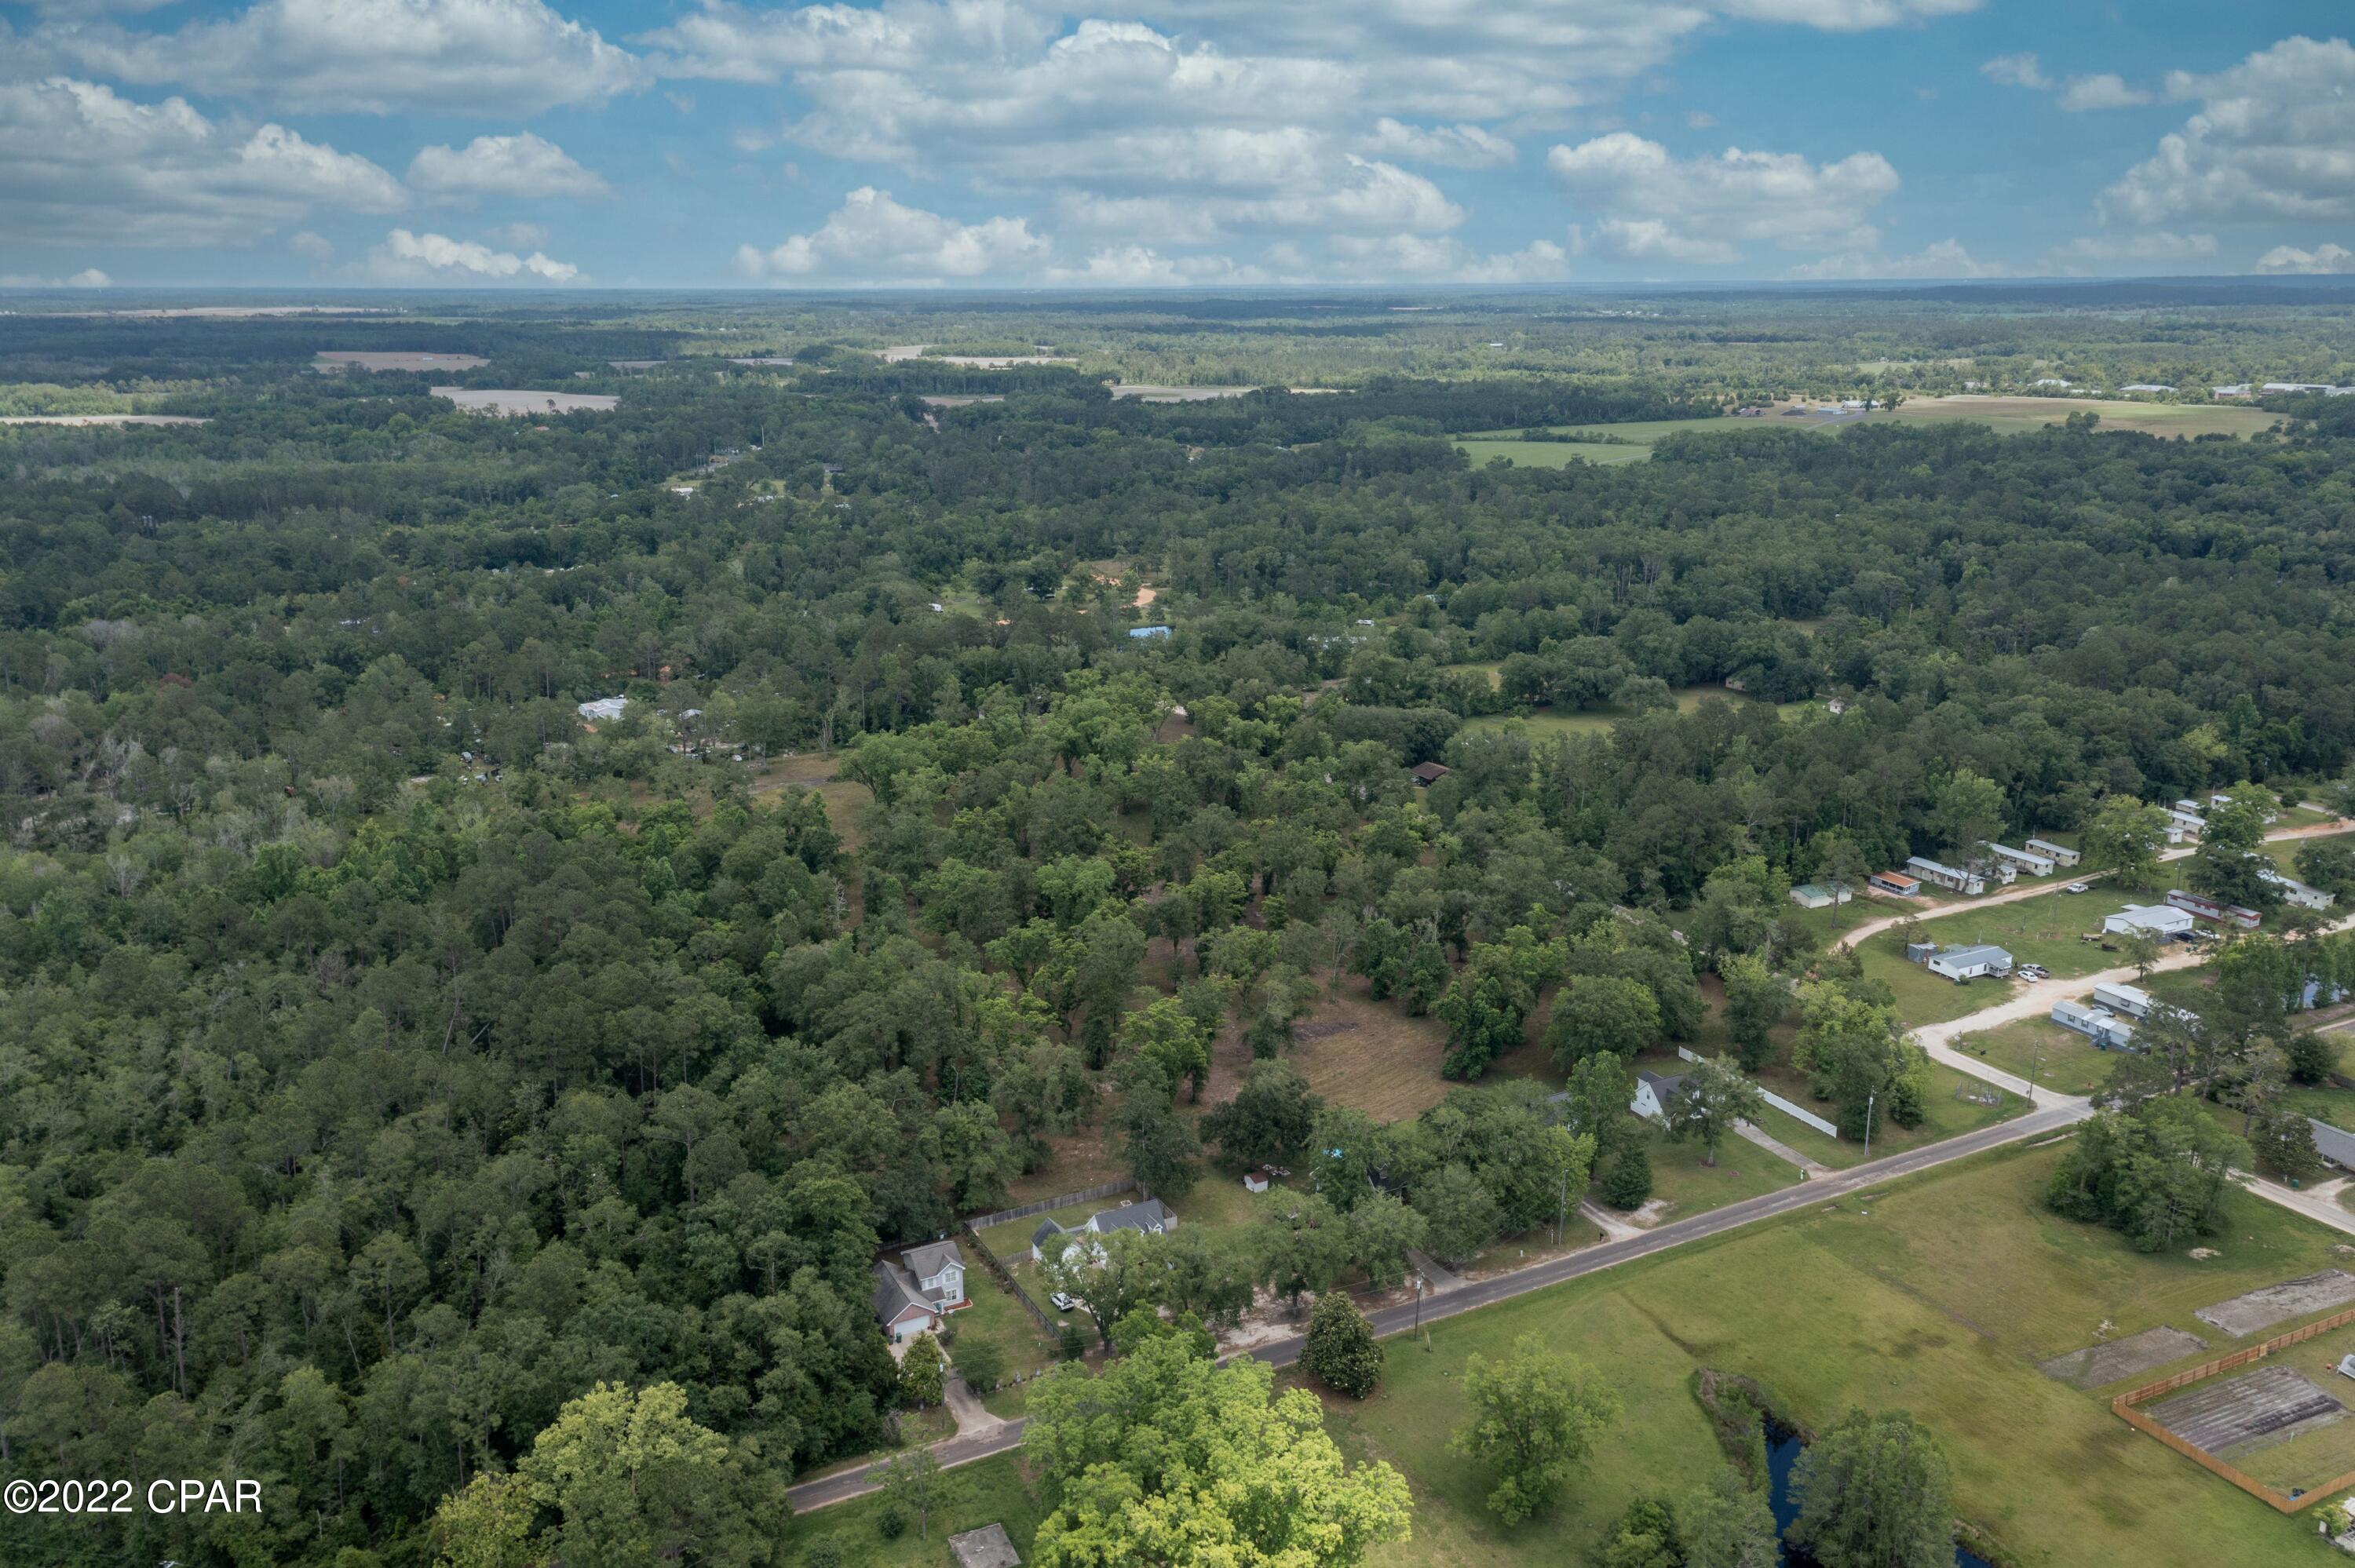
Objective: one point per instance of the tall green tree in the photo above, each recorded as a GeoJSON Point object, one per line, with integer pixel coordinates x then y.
{"type": "Point", "coordinates": [1535, 1416]}
{"type": "Point", "coordinates": [1711, 1098]}
{"type": "Point", "coordinates": [1165, 1453]}
{"type": "Point", "coordinates": [1875, 1492]}
{"type": "Point", "coordinates": [1727, 1523]}
{"type": "Point", "coordinates": [1340, 1351]}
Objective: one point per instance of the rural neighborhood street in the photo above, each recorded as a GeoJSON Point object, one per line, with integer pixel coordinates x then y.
{"type": "Point", "coordinates": [2051, 1113]}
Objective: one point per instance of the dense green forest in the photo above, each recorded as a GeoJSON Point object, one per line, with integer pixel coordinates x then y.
{"type": "Point", "coordinates": [390, 1058]}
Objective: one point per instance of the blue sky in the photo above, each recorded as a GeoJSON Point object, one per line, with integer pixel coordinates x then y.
{"type": "Point", "coordinates": [990, 143]}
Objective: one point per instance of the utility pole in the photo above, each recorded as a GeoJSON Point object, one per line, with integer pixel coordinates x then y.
{"type": "Point", "coordinates": [1868, 1122]}
{"type": "Point", "coordinates": [1562, 1214]}
{"type": "Point", "coordinates": [1417, 1311]}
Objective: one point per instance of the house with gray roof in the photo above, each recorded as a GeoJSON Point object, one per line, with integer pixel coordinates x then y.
{"type": "Point", "coordinates": [1959, 964]}
{"type": "Point", "coordinates": [1148, 1216]}
{"type": "Point", "coordinates": [915, 1290]}
{"type": "Point", "coordinates": [1655, 1092]}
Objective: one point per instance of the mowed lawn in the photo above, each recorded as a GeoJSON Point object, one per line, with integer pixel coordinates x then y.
{"type": "Point", "coordinates": [2040, 930]}
{"type": "Point", "coordinates": [2047, 1055]}
{"type": "Point", "coordinates": [1952, 1108]}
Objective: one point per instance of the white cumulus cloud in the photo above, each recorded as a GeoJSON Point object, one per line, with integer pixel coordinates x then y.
{"type": "Point", "coordinates": [1658, 206]}
{"type": "Point", "coordinates": [2274, 140]}
{"type": "Point", "coordinates": [518, 165]}
{"type": "Point", "coordinates": [1946, 259]}
{"type": "Point", "coordinates": [873, 239]}
{"type": "Point", "coordinates": [2322, 259]}
{"type": "Point", "coordinates": [2106, 91]}
{"type": "Point", "coordinates": [2096, 252]}
{"type": "Point", "coordinates": [78, 162]}
{"type": "Point", "coordinates": [1462, 146]}
{"type": "Point", "coordinates": [405, 257]}
{"type": "Point", "coordinates": [2016, 70]}
{"type": "Point", "coordinates": [367, 57]}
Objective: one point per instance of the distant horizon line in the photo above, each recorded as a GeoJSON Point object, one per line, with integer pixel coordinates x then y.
{"type": "Point", "coordinates": [2290, 281]}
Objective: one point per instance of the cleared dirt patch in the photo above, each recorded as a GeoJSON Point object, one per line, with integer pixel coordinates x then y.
{"type": "Point", "coordinates": [2265, 1406]}
{"type": "Point", "coordinates": [393, 359]}
{"type": "Point", "coordinates": [1368, 1055]}
{"type": "Point", "coordinates": [2271, 1304]}
{"type": "Point", "coordinates": [2097, 1365]}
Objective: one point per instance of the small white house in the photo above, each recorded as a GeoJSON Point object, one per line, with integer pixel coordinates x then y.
{"type": "Point", "coordinates": [1960, 964]}
{"type": "Point", "coordinates": [2059, 855]}
{"type": "Point", "coordinates": [1895, 882]}
{"type": "Point", "coordinates": [1654, 1094]}
{"type": "Point", "coordinates": [2160, 920]}
{"type": "Point", "coordinates": [603, 709]}
{"type": "Point", "coordinates": [1254, 1180]}
{"type": "Point", "coordinates": [2130, 1000]}
{"type": "Point", "coordinates": [1816, 895]}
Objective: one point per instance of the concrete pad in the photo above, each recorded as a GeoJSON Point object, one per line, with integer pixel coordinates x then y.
{"type": "Point", "coordinates": [2271, 1304]}
{"type": "Point", "coordinates": [2097, 1365]}
{"type": "Point", "coordinates": [2230, 1414]}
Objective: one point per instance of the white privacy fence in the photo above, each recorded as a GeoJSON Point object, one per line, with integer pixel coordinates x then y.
{"type": "Point", "coordinates": [1806, 1117]}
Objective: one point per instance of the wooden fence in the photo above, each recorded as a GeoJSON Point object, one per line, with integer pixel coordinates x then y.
{"type": "Point", "coordinates": [2124, 1407]}
{"type": "Point", "coordinates": [1006, 1276]}
{"type": "Point", "coordinates": [1109, 1190]}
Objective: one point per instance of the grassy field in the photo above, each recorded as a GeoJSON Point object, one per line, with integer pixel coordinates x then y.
{"type": "Point", "coordinates": [2005, 416]}
{"type": "Point", "coordinates": [2013, 416]}
{"type": "Point", "coordinates": [1938, 1296]}
{"type": "Point", "coordinates": [2058, 1058]}
{"type": "Point", "coordinates": [1634, 443]}
{"type": "Point", "coordinates": [1549, 454]}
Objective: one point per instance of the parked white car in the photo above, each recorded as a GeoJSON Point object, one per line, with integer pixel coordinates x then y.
{"type": "Point", "coordinates": [1063, 1302]}
{"type": "Point", "coordinates": [2078, 888]}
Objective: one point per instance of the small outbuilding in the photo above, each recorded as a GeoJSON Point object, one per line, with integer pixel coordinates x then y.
{"type": "Point", "coordinates": [988, 1547]}
{"type": "Point", "coordinates": [1426, 774]}
{"type": "Point", "coordinates": [1816, 895]}
{"type": "Point", "coordinates": [1254, 1180]}
{"type": "Point", "coordinates": [1895, 882]}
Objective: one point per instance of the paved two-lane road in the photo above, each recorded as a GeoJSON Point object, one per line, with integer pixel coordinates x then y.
{"type": "Point", "coordinates": [2056, 1117]}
